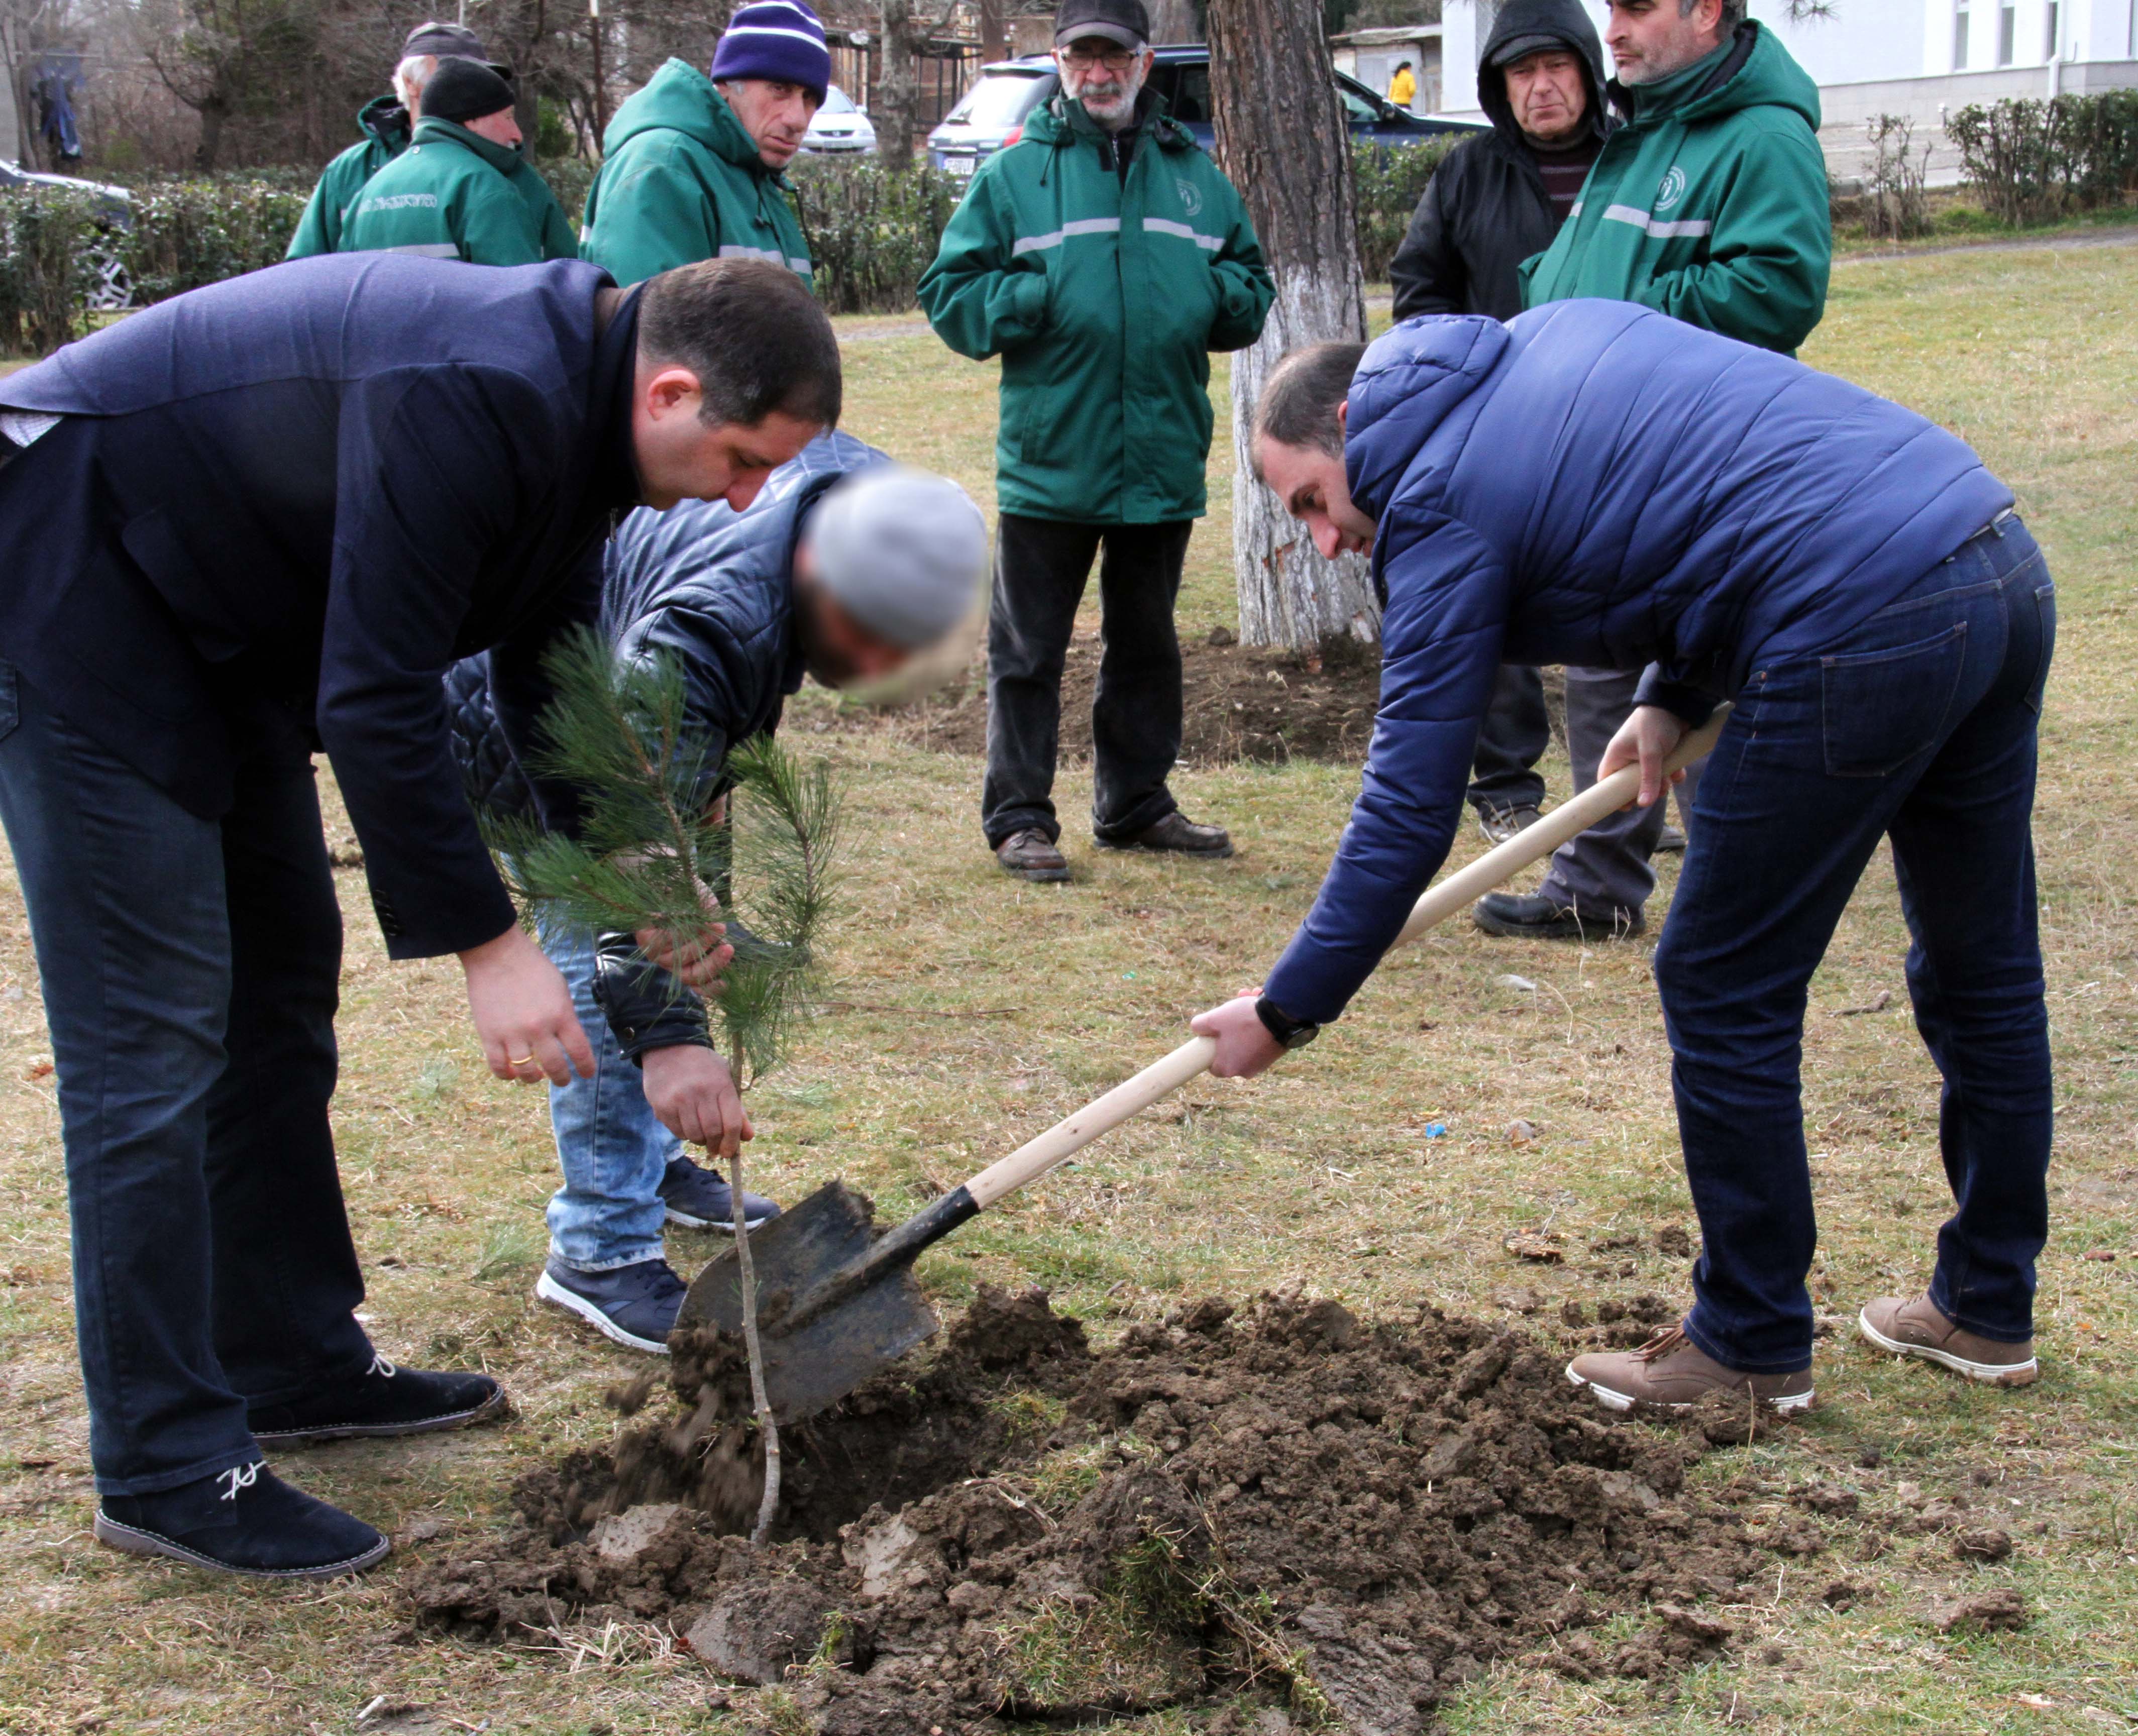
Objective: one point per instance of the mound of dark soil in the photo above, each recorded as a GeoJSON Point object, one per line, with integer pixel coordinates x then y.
{"type": "Point", "coordinates": [1239, 703]}
{"type": "Point", "coordinates": [1352, 1515]}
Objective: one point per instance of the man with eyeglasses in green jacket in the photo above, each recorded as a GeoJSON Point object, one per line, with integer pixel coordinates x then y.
{"type": "Point", "coordinates": [1103, 256]}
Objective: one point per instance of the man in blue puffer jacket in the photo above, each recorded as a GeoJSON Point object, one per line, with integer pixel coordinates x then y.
{"type": "Point", "coordinates": [1596, 484]}
{"type": "Point", "coordinates": [844, 569]}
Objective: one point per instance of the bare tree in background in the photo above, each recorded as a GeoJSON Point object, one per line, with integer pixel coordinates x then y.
{"type": "Point", "coordinates": [1283, 140]}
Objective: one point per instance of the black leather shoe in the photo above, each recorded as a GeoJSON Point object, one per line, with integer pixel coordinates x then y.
{"type": "Point", "coordinates": [244, 1520]}
{"type": "Point", "coordinates": [1175, 835]}
{"type": "Point", "coordinates": [1526, 916]}
{"type": "Point", "coordinates": [383, 1400]}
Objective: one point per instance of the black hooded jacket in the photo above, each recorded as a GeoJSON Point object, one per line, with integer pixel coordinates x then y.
{"type": "Point", "coordinates": [1486, 210]}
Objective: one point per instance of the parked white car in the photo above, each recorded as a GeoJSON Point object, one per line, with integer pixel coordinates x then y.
{"type": "Point", "coordinates": [840, 128]}
{"type": "Point", "coordinates": [113, 292]}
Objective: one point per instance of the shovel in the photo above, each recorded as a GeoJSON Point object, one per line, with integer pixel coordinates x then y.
{"type": "Point", "coordinates": [837, 1303]}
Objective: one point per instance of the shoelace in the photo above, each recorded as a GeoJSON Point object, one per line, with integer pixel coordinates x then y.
{"type": "Point", "coordinates": [380, 1365]}
{"type": "Point", "coordinates": [1667, 1340]}
{"type": "Point", "coordinates": [240, 1477]}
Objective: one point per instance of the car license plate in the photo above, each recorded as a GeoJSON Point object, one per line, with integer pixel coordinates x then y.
{"type": "Point", "coordinates": [960, 165]}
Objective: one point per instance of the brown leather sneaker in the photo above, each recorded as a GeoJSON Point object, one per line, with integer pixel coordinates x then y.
{"type": "Point", "coordinates": [1672, 1372]}
{"type": "Point", "coordinates": [1915, 1327]}
{"type": "Point", "coordinates": [1031, 855]}
{"type": "Point", "coordinates": [1177, 835]}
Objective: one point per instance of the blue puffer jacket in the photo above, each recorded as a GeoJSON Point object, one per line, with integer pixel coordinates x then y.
{"type": "Point", "coordinates": [706, 584]}
{"type": "Point", "coordinates": [1599, 485]}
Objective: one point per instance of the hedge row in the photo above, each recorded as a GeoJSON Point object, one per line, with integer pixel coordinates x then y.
{"type": "Point", "coordinates": [2032, 160]}
{"type": "Point", "coordinates": [872, 231]}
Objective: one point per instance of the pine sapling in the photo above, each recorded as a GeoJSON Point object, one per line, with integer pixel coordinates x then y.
{"type": "Point", "coordinates": [651, 850]}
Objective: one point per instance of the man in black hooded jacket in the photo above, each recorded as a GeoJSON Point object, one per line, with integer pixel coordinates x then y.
{"type": "Point", "coordinates": [1498, 198]}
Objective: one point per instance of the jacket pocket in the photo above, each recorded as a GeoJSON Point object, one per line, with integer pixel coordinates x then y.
{"type": "Point", "coordinates": [1879, 710]}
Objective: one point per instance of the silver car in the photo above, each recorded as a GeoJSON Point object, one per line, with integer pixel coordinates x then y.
{"type": "Point", "coordinates": [840, 128]}
{"type": "Point", "coordinates": [113, 292]}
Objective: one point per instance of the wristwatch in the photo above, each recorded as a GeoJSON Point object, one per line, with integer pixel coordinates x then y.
{"type": "Point", "coordinates": [1290, 1033]}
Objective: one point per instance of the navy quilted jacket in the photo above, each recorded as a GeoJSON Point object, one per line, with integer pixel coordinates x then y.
{"type": "Point", "coordinates": [1597, 484]}
{"type": "Point", "coordinates": [705, 583]}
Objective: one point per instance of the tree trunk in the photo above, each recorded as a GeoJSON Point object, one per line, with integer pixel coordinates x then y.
{"type": "Point", "coordinates": [994, 30]}
{"type": "Point", "coordinates": [212, 114]}
{"type": "Point", "coordinates": [1175, 20]}
{"type": "Point", "coordinates": [1281, 138]}
{"type": "Point", "coordinates": [898, 87]}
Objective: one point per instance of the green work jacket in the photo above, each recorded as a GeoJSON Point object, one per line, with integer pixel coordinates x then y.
{"type": "Point", "coordinates": [1709, 204]}
{"type": "Point", "coordinates": [1104, 296]}
{"type": "Point", "coordinates": [681, 181]}
{"type": "Point", "coordinates": [453, 194]}
{"type": "Point", "coordinates": [385, 126]}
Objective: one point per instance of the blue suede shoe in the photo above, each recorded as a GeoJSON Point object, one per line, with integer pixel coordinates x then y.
{"type": "Point", "coordinates": [698, 1198]}
{"type": "Point", "coordinates": [244, 1520]}
{"type": "Point", "coordinates": [635, 1304]}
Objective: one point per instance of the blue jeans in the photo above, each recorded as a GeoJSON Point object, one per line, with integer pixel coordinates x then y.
{"type": "Point", "coordinates": [608, 1213]}
{"type": "Point", "coordinates": [1918, 725]}
{"type": "Point", "coordinates": [190, 971]}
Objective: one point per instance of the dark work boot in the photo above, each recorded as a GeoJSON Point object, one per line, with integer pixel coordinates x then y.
{"type": "Point", "coordinates": [1175, 835]}
{"type": "Point", "coordinates": [1031, 855]}
{"type": "Point", "coordinates": [383, 1400]}
{"type": "Point", "coordinates": [244, 1520]}
{"type": "Point", "coordinates": [1526, 916]}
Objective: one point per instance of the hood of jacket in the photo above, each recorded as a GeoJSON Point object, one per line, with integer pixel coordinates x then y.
{"type": "Point", "coordinates": [679, 97]}
{"type": "Point", "coordinates": [1565, 19]}
{"type": "Point", "coordinates": [384, 120]}
{"type": "Point", "coordinates": [505, 158]}
{"type": "Point", "coordinates": [1757, 71]}
{"type": "Point", "coordinates": [1408, 382]}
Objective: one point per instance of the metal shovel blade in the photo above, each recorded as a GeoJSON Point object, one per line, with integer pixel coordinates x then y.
{"type": "Point", "coordinates": [814, 1365]}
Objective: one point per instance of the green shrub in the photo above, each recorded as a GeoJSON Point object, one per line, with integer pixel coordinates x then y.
{"type": "Point", "coordinates": [191, 233]}
{"type": "Point", "coordinates": [1391, 179]}
{"type": "Point", "coordinates": [872, 230]}
{"type": "Point", "coordinates": [2032, 160]}
{"type": "Point", "coordinates": [569, 177]}
{"type": "Point", "coordinates": [47, 238]}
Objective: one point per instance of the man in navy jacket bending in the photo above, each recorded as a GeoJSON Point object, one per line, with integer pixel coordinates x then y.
{"type": "Point", "coordinates": [1595, 484]}
{"type": "Point", "coordinates": [256, 521]}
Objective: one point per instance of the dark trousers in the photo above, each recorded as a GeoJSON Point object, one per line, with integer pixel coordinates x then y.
{"type": "Point", "coordinates": [1516, 730]}
{"type": "Point", "coordinates": [191, 972]}
{"type": "Point", "coordinates": [1041, 567]}
{"type": "Point", "coordinates": [1604, 872]}
{"type": "Point", "coordinates": [1919, 726]}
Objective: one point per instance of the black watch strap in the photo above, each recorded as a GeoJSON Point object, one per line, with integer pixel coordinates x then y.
{"type": "Point", "coordinates": [1290, 1033]}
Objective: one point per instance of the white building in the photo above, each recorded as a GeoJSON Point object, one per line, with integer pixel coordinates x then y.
{"type": "Point", "coordinates": [1916, 58]}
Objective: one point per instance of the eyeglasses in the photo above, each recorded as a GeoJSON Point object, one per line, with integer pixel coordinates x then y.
{"type": "Point", "coordinates": [1113, 60]}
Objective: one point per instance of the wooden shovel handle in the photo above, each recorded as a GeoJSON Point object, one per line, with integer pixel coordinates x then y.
{"type": "Point", "coordinates": [1162, 1078]}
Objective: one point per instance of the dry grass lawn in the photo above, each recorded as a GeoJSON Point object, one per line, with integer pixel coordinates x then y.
{"type": "Point", "coordinates": [971, 1012]}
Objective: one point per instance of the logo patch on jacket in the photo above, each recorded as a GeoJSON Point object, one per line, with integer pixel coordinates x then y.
{"type": "Point", "coordinates": [1191, 196]}
{"type": "Point", "coordinates": [1672, 188]}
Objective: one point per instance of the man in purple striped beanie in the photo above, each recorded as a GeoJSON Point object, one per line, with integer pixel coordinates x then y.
{"type": "Point", "coordinates": [691, 165]}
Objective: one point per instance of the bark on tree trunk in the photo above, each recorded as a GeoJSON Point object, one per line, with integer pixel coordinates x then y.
{"type": "Point", "coordinates": [994, 30]}
{"type": "Point", "coordinates": [1281, 138]}
{"type": "Point", "coordinates": [898, 89]}
{"type": "Point", "coordinates": [211, 115]}
{"type": "Point", "coordinates": [1175, 20]}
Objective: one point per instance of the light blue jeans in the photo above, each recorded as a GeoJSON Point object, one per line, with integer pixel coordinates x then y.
{"type": "Point", "coordinates": [609, 1212]}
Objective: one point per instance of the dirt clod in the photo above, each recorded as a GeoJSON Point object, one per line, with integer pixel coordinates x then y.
{"type": "Point", "coordinates": [1365, 1513]}
{"type": "Point", "coordinates": [1982, 1543]}
{"type": "Point", "coordinates": [2001, 1610]}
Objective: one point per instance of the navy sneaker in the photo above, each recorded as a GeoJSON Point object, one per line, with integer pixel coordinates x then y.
{"type": "Point", "coordinates": [244, 1520]}
{"type": "Point", "coordinates": [700, 1199]}
{"type": "Point", "coordinates": [635, 1304]}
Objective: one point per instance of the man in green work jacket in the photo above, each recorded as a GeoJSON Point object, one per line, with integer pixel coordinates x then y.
{"type": "Point", "coordinates": [385, 122]}
{"type": "Point", "coordinates": [1103, 256]}
{"type": "Point", "coordinates": [461, 190]}
{"type": "Point", "coordinates": [691, 166]}
{"type": "Point", "coordinates": [1709, 205]}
